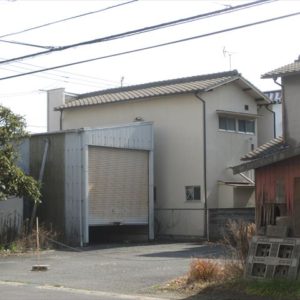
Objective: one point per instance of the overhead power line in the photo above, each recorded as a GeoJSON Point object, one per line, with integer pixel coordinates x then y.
{"type": "Point", "coordinates": [143, 30]}
{"type": "Point", "coordinates": [155, 46]}
{"type": "Point", "coordinates": [68, 80]}
{"type": "Point", "coordinates": [26, 44]}
{"type": "Point", "coordinates": [67, 19]}
{"type": "Point", "coordinates": [62, 76]}
{"type": "Point", "coordinates": [66, 74]}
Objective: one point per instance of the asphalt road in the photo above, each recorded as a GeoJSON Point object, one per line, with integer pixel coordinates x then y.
{"type": "Point", "coordinates": [106, 272]}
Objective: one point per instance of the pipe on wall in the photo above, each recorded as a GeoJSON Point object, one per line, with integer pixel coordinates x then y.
{"type": "Point", "coordinates": [283, 109]}
{"type": "Point", "coordinates": [274, 117]}
{"type": "Point", "coordinates": [61, 120]}
{"type": "Point", "coordinates": [206, 221]}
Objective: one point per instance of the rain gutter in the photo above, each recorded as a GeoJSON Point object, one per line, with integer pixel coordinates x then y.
{"type": "Point", "coordinates": [206, 223]}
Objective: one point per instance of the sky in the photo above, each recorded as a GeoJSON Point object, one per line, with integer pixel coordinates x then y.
{"type": "Point", "coordinates": [252, 51]}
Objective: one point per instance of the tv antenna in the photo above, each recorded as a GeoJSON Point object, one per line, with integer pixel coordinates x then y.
{"type": "Point", "coordinates": [122, 81]}
{"type": "Point", "coordinates": [229, 54]}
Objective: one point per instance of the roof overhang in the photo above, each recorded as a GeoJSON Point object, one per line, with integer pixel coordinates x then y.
{"type": "Point", "coordinates": [265, 161]}
{"type": "Point", "coordinates": [277, 75]}
{"type": "Point", "coordinates": [253, 91]}
{"type": "Point", "coordinates": [237, 184]}
{"type": "Point", "coordinates": [194, 84]}
{"type": "Point", "coordinates": [237, 114]}
{"type": "Point", "coordinates": [247, 87]}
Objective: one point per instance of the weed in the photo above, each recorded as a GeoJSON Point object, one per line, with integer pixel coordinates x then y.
{"type": "Point", "coordinates": [237, 237]}
{"type": "Point", "coordinates": [25, 240]}
{"type": "Point", "coordinates": [204, 271]}
{"type": "Point", "coordinates": [232, 269]}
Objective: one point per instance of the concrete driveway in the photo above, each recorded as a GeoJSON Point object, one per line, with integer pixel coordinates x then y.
{"type": "Point", "coordinates": [127, 271]}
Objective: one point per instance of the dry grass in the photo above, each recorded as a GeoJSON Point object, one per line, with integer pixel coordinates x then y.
{"type": "Point", "coordinates": [203, 270]}
{"type": "Point", "coordinates": [232, 270]}
{"type": "Point", "coordinates": [205, 273]}
{"type": "Point", "coordinates": [25, 240]}
{"type": "Point", "coordinates": [237, 238]}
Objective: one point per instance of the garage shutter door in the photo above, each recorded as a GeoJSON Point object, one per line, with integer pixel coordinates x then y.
{"type": "Point", "coordinates": [118, 186]}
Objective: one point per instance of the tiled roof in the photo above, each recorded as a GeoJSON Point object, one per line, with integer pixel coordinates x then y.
{"type": "Point", "coordinates": [269, 148]}
{"type": "Point", "coordinates": [168, 87]}
{"type": "Point", "coordinates": [289, 69]}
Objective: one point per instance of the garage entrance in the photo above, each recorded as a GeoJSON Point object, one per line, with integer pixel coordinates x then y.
{"type": "Point", "coordinates": [118, 183]}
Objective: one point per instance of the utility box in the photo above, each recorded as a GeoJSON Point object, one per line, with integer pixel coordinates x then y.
{"type": "Point", "coordinates": [95, 177]}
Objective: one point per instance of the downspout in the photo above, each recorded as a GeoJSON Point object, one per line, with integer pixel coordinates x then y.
{"type": "Point", "coordinates": [206, 223]}
{"type": "Point", "coordinates": [274, 118]}
{"type": "Point", "coordinates": [282, 109]}
{"type": "Point", "coordinates": [60, 119]}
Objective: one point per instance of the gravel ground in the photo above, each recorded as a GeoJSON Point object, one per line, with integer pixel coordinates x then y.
{"type": "Point", "coordinates": [128, 269]}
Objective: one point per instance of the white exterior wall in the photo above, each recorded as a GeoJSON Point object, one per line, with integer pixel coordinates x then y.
{"type": "Point", "coordinates": [54, 98]}
{"type": "Point", "coordinates": [277, 108]}
{"type": "Point", "coordinates": [224, 148]}
{"type": "Point", "coordinates": [266, 125]}
{"type": "Point", "coordinates": [178, 143]}
{"type": "Point", "coordinates": [233, 196]}
{"type": "Point", "coordinates": [291, 100]}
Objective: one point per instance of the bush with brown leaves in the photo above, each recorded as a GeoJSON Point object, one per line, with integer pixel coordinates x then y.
{"type": "Point", "coordinates": [237, 238]}
{"type": "Point", "coordinates": [202, 270]}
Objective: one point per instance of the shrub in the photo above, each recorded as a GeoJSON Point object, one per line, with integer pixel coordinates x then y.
{"type": "Point", "coordinates": [204, 271]}
{"type": "Point", "coordinates": [237, 237]}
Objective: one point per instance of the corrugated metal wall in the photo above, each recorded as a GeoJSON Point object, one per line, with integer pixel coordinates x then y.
{"type": "Point", "coordinates": [138, 136]}
{"type": "Point", "coordinates": [66, 177]}
{"type": "Point", "coordinates": [73, 187]}
{"type": "Point", "coordinates": [52, 208]}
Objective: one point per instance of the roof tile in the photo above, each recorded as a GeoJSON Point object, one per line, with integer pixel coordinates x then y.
{"type": "Point", "coordinates": [289, 69]}
{"type": "Point", "coordinates": [269, 148]}
{"type": "Point", "coordinates": [168, 87]}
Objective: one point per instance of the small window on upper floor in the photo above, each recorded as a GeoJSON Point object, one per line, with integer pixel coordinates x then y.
{"type": "Point", "coordinates": [246, 126]}
{"type": "Point", "coordinates": [235, 124]}
{"type": "Point", "coordinates": [193, 192]}
{"type": "Point", "coordinates": [226, 123]}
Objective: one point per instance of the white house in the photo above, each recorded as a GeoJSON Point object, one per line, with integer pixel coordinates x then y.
{"type": "Point", "coordinates": [202, 126]}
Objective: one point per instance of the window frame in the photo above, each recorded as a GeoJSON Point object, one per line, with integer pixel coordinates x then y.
{"type": "Point", "coordinates": [191, 194]}
{"type": "Point", "coordinates": [247, 121]}
{"type": "Point", "coordinates": [227, 123]}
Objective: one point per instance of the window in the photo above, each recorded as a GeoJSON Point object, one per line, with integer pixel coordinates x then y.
{"type": "Point", "coordinates": [192, 192]}
{"type": "Point", "coordinates": [246, 126]}
{"type": "Point", "coordinates": [236, 125]}
{"type": "Point", "coordinates": [227, 123]}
